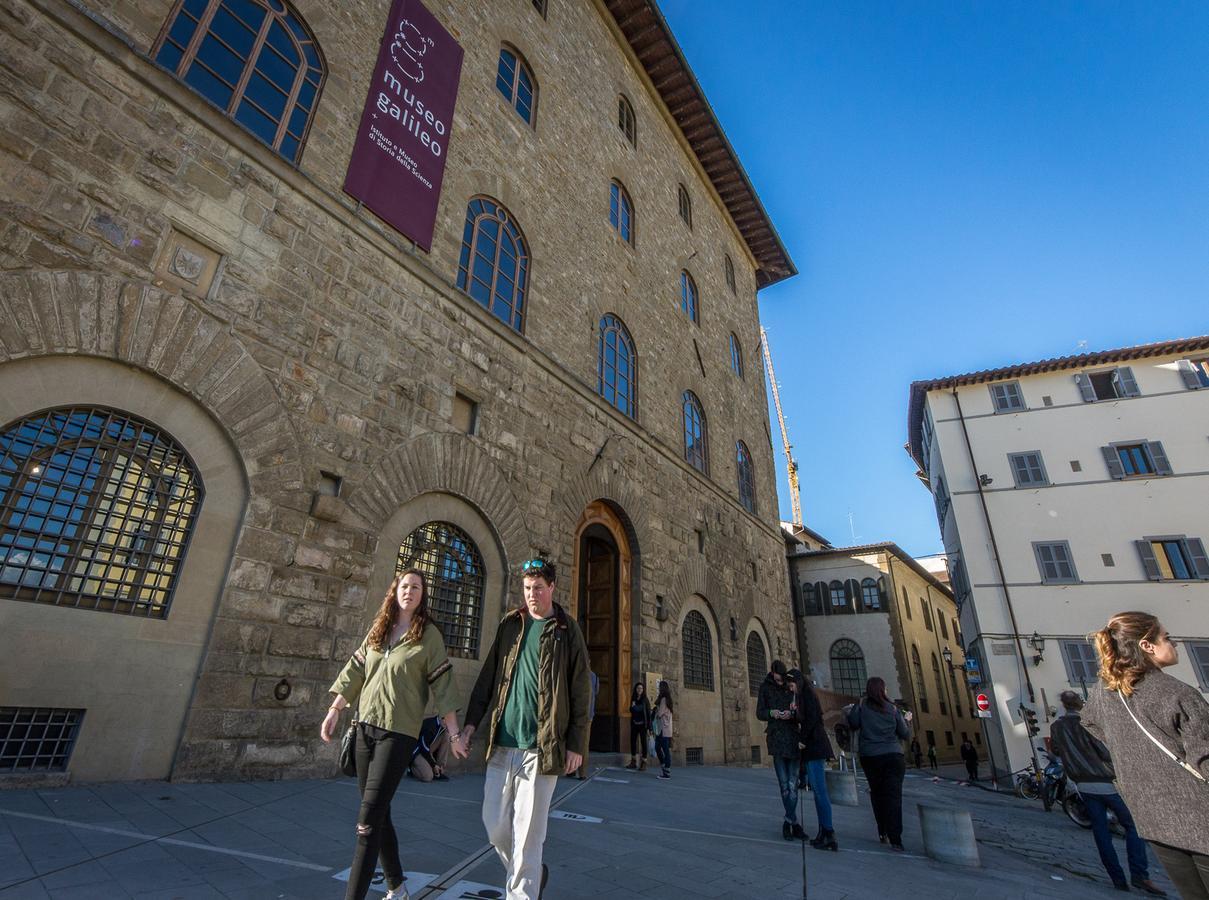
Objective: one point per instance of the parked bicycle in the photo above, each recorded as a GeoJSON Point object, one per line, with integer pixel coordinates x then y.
{"type": "Point", "coordinates": [1028, 783]}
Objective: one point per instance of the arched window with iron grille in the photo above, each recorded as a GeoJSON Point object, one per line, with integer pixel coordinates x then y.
{"type": "Point", "coordinates": [453, 567]}
{"type": "Point", "coordinates": [698, 651]}
{"type": "Point", "coordinates": [494, 265]}
{"type": "Point", "coordinates": [848, 668]}
{"type": "Point", "coordinates": [757, 663]}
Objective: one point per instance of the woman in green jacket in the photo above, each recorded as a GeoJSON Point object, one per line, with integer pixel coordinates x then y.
{"type": "Point", "coordinates": [400, 663]}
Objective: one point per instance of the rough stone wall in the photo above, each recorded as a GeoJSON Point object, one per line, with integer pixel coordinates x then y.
{"type": "Point", "coordinates": [328, 343]}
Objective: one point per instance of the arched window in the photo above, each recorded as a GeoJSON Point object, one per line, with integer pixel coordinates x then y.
{"type": "Point", "coordinates": [920, 687]}
{"type": "Point", "coordinates": [688, 297]}
{"type": "Point", "coordinates": [811, 600]}
{"type": "Point", "coordinates": [736, 355]}
{"type": "Point", "coordinates": [514, 79]}
{"type": "Point", "coordinates": [698, 652]}
{"type": "Point", "coordinates": [926, 610]}
{"type": "Point", "coordinates": [96, 510]}
{"type": "Point", "coordinates": [757, 663]}
{"type": "Point", "coordinates": [254, 59]}
{"type": "Point", "coordinates": [747, 477]}
{"type": "Point", "coordinates": [626, 120]}
{"type": "Point", "coordinates": [696, 434]}
{"type": "Point", "coordinates": [906, 603]}
{"type": "Point", "coordinates": [940, 687]}
{"type": "Point", "coordinates": [685, 204]}
{"type": "Point", "coordinates": [621, 212]}
{"type": "Point", "coordinates": [847, 668]}
{"type": "Point", "coordinates": [453, 567]}
{"type": "Point", "coordinates": [494, 267]}
{"type": "Point", "coordinates": [869, 594]}
{"type": "Point", "coordinates": [730, 272]}
{"type": "Point", "coordinates": [836, 590]}
{"type": "Point", "coordinates": [617, 366]}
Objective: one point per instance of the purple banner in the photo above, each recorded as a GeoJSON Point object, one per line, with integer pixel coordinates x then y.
{"type": "Point", "coordinates": [398, 159]}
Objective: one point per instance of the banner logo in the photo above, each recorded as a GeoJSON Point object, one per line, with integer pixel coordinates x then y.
{"type": "Point", "coordinates": [408, 49]}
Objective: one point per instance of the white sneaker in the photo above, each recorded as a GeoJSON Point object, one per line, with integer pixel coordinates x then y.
{"type": "Point", "coordinates": [399, 893]}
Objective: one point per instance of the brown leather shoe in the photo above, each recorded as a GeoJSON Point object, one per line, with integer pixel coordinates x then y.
{"type": "Point", "coordinates": [1145, 884]}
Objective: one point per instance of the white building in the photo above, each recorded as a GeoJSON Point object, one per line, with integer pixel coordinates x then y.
{"type": "Point", "coordinates": [1068, 490]}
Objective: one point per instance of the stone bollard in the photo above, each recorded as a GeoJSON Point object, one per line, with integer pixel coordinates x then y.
{"type": "Point", "coordinates": [948, 835]}
{"type": "Point", "coordinates": [841, 788]}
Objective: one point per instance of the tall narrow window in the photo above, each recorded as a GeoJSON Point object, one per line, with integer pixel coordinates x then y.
{"type": "Point", "coordinates": [697, 647]}
{"type": "Point", "coordinates": [617, 366]}
{"type": "Point", "coordinates": [96, 511]}
{"type": "Point", "coordinates": [736, 355]}
{"type": "Point", "coordinates": [870, 596]}
{"type": "Point", "coordinates": [688, 297]}
{"type": "Point", "coordinates": [514, 80]}
{"type": "Point", "coordinates": [254, 59]}
{"type": "Point", "coordinates": [453, 567]}
{"type": "Point", "coordinates": [747, 477]}
{"type": "Point", "coordinates": [685, 204]}
{"type": "Point", "coordinates": [847, 668]}
{"type": "Point", "coordinates": [921, 688]}
{"type": "Point", "coordinates": [621, 212]}
{"type": "Point", "coordinates": [626, 120]}
{"type": "Point", "coordinates": [757, 663]}
{"type": "Point", "coordinates": [906, 603]}
{"type": "Point", "coordinates": [729, 268]}
{"type": "Point", "coordinates": [696, 434]}
{"type": "Point", "coordinates": [494, 266]}
{"type": "Point", "coordinates": [1082, 663]}
{"type": "Point", "coordinates": [940, 686]}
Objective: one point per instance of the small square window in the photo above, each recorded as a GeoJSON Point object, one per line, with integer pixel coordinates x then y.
{"type": "Point", "coordinates": [1027, 469]}
{"type": "Point", "coordinates": [700, 540]}
{"type": "Point", "coordinates": [1076, 466]}
{"type": "Point", "coordinates": [1107, 559]}
{"type": "Point", "coordinates": [330, 484]}
{"type": "Point", "coordinates": [1198, 653]}
{"type": "Point", "coordinates": [1055, 562]}
{"type": "Point", "coordinates": [465, 414]}
{"type": "Point", "coordinates": [660, 608]}
{"type": "Point", "coordinates": [1047, 400]}
{"type": "Point", "coordinates": [1006, 396]}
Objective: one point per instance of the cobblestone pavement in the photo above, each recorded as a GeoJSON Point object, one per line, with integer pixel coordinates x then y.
{"type": "Point", "coordinates": [708, 832]}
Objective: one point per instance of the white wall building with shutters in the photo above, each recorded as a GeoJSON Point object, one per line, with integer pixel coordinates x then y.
{"type": "Point", "coordinates": [1066, 491]}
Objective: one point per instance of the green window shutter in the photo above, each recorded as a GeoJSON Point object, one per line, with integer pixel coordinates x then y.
{"type": "Point", "coordinates": [1191, 380]}
{"type": "Point", "coordinates": [1200, 562]}
{"type": "Point", "coordinates": [1149, 563]}
{"type": "Point", "coordinates": [1085, 388]}
{"type": "Point", "coordinates": [1127, 385]}
{"type": "Point", "coordinates": [1113, 461]}
{"type": "Point", "coordinates": [1158, 456]}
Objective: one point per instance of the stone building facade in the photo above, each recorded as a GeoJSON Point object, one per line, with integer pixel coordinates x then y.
{"type": "Point", "coordinates": [328, 395]}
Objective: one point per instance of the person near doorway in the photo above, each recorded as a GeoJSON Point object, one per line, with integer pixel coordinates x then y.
{"type": "Point", "coordinates": [539, 727]}
{"type": "Point", "coordinates": [663, 729]}
{"type": "Point", "coordinates": [932, 754]}
{"type": "Point", "coordinates": [815, 749]}
{"type": "Point", "coordinates": [640, 725]}
{"type": "Point", "coordinates": [881, 727]}
{"type": "Point", "coordinates": [775, 707]}
{"type": "Point", "coordinates": [403, 662]}
{"type": "Point", "coordinates": [582, 772]}
{"type": "Point", "coordinates": [1088, 764]}
{"type": "Point", "coordinates": [1156, 729]}
{"type": "Point", "coordinates": [917, 754]}
{"type": "Point", "coordinates": [969, 756]}
{"type": "Point", "coordinates": [431, 754]}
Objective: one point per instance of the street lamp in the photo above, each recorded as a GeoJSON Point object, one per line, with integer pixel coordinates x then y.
{"type": "Point", "coordinates": [1037, 642]}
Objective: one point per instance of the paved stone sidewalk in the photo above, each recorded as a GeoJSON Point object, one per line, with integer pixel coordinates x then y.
{"type": "Point", "coordinates": [708, 832]}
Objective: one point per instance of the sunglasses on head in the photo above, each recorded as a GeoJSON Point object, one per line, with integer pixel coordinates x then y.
{"type": "Point", "coordinates": [536, 566]}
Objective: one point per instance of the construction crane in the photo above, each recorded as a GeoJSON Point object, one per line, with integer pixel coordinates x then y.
{"type": "Point", "coordinates": [794, 491]}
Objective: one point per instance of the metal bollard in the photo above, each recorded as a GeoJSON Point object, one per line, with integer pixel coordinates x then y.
{"type": "Point", "coordinates": [948, 835]}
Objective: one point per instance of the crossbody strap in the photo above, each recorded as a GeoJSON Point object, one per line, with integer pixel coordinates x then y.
{"type": "Point", "coordinates": [1175, 759]}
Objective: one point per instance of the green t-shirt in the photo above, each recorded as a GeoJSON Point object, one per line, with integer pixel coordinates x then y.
{"type": "Point", "coordinates": [518, 725]}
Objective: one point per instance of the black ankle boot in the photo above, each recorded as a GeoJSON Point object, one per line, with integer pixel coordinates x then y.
{"type": "Point", "coordinates": [787, 831]}
{"type": "Point", "coordinates": [814, 841]}
{"type": "Point", "coordinates": [798, 832]}
{"type": "Point", "coordinates": [826, 841]}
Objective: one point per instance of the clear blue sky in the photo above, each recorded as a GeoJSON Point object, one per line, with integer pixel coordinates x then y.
{"type": "Point", "coordinates": [961, 185]}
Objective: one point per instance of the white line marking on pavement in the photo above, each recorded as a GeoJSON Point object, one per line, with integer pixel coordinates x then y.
{"type": "Point", "coordinates": [612, 780]}
{"type": "Point", "coordinates": [194, 845]}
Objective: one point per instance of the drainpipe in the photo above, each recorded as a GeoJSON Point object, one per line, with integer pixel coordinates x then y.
{"type": "Point", "coordinates": [1007, 595]}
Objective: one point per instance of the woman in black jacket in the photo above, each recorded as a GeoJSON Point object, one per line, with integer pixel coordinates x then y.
{"type": "Point", "coordinates": [816, 750]}
{"type": "Point", "coordinates": [640, 726]}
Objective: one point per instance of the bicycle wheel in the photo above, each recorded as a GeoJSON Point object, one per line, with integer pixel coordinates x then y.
{"type": "Point", "coordinates": [1076, 810]}
{"type": "Point", "coordinates": [1026, 788]}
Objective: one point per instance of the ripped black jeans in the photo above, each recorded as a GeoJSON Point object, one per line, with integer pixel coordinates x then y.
{"type": "Point", "coordinates": [382, 758]}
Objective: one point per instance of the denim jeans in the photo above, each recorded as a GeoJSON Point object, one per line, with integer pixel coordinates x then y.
{"type": "Point", "coordinates": [382, 758]}
{"type": "Point", "coordinates": [1098, 806]}
{"type": "Point", "coordinates": [663, 749]}
{"type": "Point", "coordinates": [816, 773]}
{"type": "Point", "coordinates": [786, 768]}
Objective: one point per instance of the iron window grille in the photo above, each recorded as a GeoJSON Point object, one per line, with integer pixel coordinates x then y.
{"type": "Point", "coordinates": [617, 366]}
{"type": "Point", "coordinates": [697, 647]}
{"type": "Point", "coordinates": [494, 265]}
{"type": "Point", "coordinates": [746, 476]}
{"type": "Point", "coordinates": [1055, 562]}
{"type": "Point", "coordinates": [755, 754]}
{"type": "Point", "coordinates": [621, 212]}
{"type": "Point", "coordinates": [97, 507]}
{"type": "Point", "coordinates": [1007, 397]}
{"type": "Point", "coordinates": [626, 120]}
{"type": "Point", "coordinates": [256, 60]}
{"type": "Point", "coordinates": [689, 298]}
{"type": "Point", "coordinates": [453, 566]}
{"type": "Point", "coordinates": [694, 756]}
{"type": "Point", "coordinates": [37, 739]}
{"type": "Point", "coordinates": [757, 663]}
{"type": "Point", "coordinates": [514, 80]}
{"type": "Point", "coordinates": [848, 674]}
{"type": "Point", "coordinates": [696, 434]}
{"type": "Point", "coordinates": [736, 355]}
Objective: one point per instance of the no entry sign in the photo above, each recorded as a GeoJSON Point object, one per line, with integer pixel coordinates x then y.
{"type": "Point", "coordinates": [983, 702]}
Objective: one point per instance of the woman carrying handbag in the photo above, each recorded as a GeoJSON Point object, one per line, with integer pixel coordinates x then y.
{"type": "Point", "coordinates": [399, 665]}
{"type": "Point", "coordinates": [1156, 728]}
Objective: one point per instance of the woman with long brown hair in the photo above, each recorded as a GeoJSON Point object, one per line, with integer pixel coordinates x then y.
{"type": "Point", "coordinates": [1156, 728]}
{"type": "Point", "coordinates": [401, 662]}
{"type": "Point", "coordinates": [882, 728]}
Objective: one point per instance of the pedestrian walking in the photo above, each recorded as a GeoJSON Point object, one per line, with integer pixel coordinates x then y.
{"type": "Point", "coordinates": [917, 754]}
{"type": "Point", "coordinates": [403, 662]}
{"type": "Point", "coordinates": [429, 758]}
{"type": "Point", "coordinates": [969, 755]}
{"type": "Point", "coordinates": [815, 749]}
{"type": "Point", "coordinates": [663, 729]}
{"type": "Point", "coordinates": [781, 735]}
{"type": "Point", "coordinates": [1156, 729]}
{"type": "Point", "coordinates": [932, 755]}
{"type": "Point", "coordinates": [881, 728]}
{"type": "Point", "coordinates": [1088, 764]}
{"type": "Point", "coordinates": [539, 727]}
{"type": "Point", "coordinates": [640, 726]}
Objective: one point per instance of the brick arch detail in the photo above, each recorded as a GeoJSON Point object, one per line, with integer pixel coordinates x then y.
{"type": "Point", "coordinates": [695, 577]}
{"type": "Point", "coordinates": [449, 463]}
{"type": "Point", "coordinates": [603, 484]}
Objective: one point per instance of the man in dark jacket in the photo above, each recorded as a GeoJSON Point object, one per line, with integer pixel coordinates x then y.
{"type": "Point", "coordinates": [1088, 764]}
{"type": "Point", "coordinates": [969, 755]}
{"type": "Point", "coordinates": [776, 706]}
{"type": "Point", "coordinates": [536, 678]}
